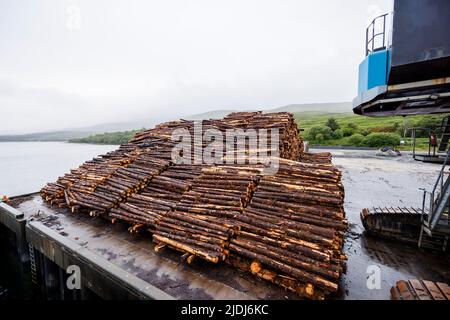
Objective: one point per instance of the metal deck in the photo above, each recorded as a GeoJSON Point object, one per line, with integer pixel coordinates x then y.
{"type": "Point", "coordinates": [117, 264]}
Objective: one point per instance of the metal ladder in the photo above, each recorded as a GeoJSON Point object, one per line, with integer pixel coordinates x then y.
{"type": "Point", "coordinates": [437, 221]}
{"type": "Point", "coordinates": [32, 264]}
{"type": "Point", "coordinates": [445, 138]}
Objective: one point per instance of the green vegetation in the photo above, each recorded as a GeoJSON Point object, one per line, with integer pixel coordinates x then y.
{"type": "Point", "coordinates": [347, 129]}
{"type": "Point", "coordinates": [332, 129]}
{"type": "Point", "coordinates": [107, 138]}
{"type": "Point", "coordinates": [355, 139]}
{"type": "Point", "coordinates": [381, 139]}
{"type": "Point", "coordinates": [332, 124]}
{"type": "Point", "coordinates": [338, 134]}
{"type": "Point", "coordinates": [315, 131]}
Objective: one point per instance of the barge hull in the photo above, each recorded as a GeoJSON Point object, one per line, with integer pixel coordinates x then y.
{"type": "Point", "coordinates": [115, 264]}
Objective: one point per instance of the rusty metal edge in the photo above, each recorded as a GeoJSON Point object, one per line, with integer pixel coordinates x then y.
{"type": "Point", "coordinates": [31, 230]}
{"type": "Point", "coordinates": [12, 218]}
{"type": "Point", "coordinates": [54, 244]}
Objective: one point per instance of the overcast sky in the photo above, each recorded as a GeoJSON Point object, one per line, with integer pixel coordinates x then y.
{"type": "Point", "coordinates": [69, 63]}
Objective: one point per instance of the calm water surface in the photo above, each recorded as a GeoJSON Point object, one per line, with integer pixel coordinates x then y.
{"type": "Point", "coordinates": [27, 166]}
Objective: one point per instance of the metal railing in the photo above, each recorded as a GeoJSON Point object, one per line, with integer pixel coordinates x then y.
{"type": "Point", "coordinates": [438, 131]}
{"type": "Point", "coordinates": [371, 36]}
{"type": "Point", "coordinates": [437, 192]}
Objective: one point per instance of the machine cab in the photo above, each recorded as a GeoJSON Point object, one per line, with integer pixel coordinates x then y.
{"type": "Point", "coordinates": [406, 71]}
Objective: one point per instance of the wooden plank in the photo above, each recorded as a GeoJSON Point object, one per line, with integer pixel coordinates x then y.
{"type": "Point", "coordinates": [434, 290]}
{"type": "Point", "coordinates": [419, 290]}
{"type": "Point", "coordinates": [445, 289]}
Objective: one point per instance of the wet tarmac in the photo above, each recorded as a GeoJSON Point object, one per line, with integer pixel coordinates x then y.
{"type": "Point", "coordinates": [378, 181]}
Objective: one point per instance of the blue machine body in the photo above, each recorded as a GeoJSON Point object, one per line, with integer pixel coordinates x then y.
{"type": "Point", "coordinates": [374, 70]}
{"type": "Point", "coordinates": [406, 70]}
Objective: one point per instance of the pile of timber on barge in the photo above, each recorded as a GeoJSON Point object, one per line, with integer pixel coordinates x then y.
{"type": "Point", "coordinates": [295, 224]}
{"type": "Point", "coordinates": [286, 228]}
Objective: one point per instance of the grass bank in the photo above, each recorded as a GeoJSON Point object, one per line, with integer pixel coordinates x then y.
{"type": "Point", "coordinates": [346, 126]}
{"type": "Point", "coordinates": [113, 138]}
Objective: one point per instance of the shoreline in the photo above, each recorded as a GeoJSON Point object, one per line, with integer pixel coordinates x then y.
{"type": "Point", "coordinates": [315, 147]}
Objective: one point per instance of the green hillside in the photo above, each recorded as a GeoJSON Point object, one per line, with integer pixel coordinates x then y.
{"type": "Point", "coordinates": [308, 119]}
{"type": "Point", "coordinates": [114, 138]}
{"type": "Point", "coordinates": [346, 129]}
{"type": "Point", "coordinates": [316, 131]}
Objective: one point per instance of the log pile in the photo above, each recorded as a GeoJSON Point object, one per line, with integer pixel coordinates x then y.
{"type": "Point", "coordinates": [203, 221]}
{"type": "Point", "coordinates": [294, 227]}
{"type": "Point", "coordinates": [159, 196]}
{"type": "Point", "coordinates": [291, 146]}
{"type": "Point", "coordinates": [157, 141]}
{"type": "Point", "coordinates": [286, 228]}
{"type": "Point", "coordinates": [124, 180]}
{"type": "Point", "coordinates": [101, 184]}
{"type": "Point", "coordinates": [197, 141]}
{"type": "Point", "coordinates": [86, 177]}
{"type": "Point", "coordinates": [317, 158]}
{"type": "Point", "coordinates": [162, 133]}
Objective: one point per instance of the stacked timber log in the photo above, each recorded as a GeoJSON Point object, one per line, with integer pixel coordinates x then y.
{"type": "Point", "coordinates": [293, 229]}
{"type": "Point", "coordinates": [102, 183]}
{"type": "Point", "coordinates": [86, 177]}
{"type": "Point", "coordinates": [160, 195]}
{"type": "Point", "coordinates": [317, 158]}
{"type": "Point", "coordinates": [238, 118]}
{"type": "Point", "coordinates": [123, 183]}
{"type": "Point", "coordinates": [125, 179]}
{"type": "Point", "coordinates": [291, 146]}
{"type": "Point", "coordinates": [158, 140]}
{"type": "Point", "coordinates": [203, 222]}
{"type": "Point", "coordinates": [161, 133]}
{"type": "Point", "coordinates": [286, 228]}
{"type": "Point", "coordinates": [195, 130]}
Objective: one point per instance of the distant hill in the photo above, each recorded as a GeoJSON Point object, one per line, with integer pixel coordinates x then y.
{"type": "Point", "coordinates": [77, 133]}
{"type": "Point", "coordinates": [46, 136]}
{"type": "Point", "coordinates": [210, 115]}
{"type": "Point", "coordinates": [335, 107]}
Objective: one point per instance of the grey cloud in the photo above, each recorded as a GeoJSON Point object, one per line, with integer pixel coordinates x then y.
{"type": "Point", "coordinates": [169, 59]}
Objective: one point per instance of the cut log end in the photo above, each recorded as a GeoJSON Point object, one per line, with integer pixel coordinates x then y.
{"type": "Point", "coordinates": [255, 267]}
{"type": "Point", "coordinates": [309, 289]}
